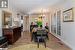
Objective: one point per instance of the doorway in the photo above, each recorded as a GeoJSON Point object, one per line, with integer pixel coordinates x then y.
{"type": "Point", "coordinates": [26, 23]}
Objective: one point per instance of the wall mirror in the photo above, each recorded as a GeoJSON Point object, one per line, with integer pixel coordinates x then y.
{"type": "Point", "coordinates": [7, 19]}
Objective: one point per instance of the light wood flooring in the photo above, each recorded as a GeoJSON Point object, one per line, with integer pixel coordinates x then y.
{"type": "Point", "coordinates": [52, 43]}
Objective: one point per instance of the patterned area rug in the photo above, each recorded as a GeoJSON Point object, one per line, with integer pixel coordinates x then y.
{"type": "Point", "coordinates": [30, 47]}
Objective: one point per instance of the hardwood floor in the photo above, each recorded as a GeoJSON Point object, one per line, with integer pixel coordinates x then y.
{"type": "Point", "coordinates": [52, 43]}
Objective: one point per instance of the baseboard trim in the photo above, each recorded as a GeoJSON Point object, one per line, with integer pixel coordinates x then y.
{"type": "Point", "coordinates": [62, 41]}
{"type": "Point", "coordinates": [55, 36]}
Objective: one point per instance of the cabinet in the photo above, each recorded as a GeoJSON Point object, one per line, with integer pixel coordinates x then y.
{"type": "Point", "coordinates": [12, 34]}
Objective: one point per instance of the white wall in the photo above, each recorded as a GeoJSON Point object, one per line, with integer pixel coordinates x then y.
{"type": "Point", "coordinates": [0, 23]}
{"type": "Point", "coordinates": [67, 28]}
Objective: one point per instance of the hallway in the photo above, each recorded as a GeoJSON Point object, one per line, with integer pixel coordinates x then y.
{"type": "Point", "coordinates": [57, 16]}
{"type": "Point", "coordinates": [52, 43]}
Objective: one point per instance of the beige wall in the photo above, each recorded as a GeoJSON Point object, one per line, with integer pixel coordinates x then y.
{"type": "Point", "coordinates": [45, 18]}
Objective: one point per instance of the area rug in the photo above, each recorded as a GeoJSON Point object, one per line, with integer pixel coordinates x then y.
{"type": "Point", "coordinates": [30, 47]}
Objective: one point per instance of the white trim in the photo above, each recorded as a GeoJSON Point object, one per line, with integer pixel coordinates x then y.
{"type": "Point", "coordinates": [64, 42]}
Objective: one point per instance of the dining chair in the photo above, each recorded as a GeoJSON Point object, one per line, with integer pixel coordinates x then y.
{"type": "Point", "coordinates": [41, 38]}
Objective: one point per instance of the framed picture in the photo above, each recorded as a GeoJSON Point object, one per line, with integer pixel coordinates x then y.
{"type": "Point", "coordinates": [68, 15]}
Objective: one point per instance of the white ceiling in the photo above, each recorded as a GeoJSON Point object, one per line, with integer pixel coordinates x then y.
{"type": "Point", "coordinates": [29, 6]}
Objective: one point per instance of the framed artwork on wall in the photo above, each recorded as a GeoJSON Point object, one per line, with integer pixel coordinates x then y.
{"type": "Point", "coordinates": [68, 15]}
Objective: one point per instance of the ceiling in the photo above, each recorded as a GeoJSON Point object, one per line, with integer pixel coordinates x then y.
{"type": "Point", "coordinates": [30, 6]}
